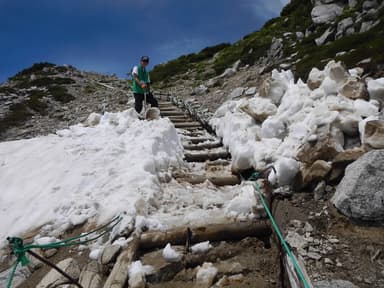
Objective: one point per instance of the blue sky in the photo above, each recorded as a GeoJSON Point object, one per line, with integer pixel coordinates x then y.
{"type": "Point", "coordinates": [109, 36]}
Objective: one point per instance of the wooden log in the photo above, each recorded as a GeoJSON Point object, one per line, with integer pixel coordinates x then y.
{"type": "Point", "coordinates": [217, 232]}
{"type": "Point", "coordinates": [119, 274]}
{"type": "Point", "coordinates": [216, 180]}
{"type": "Point", "coordinates": [209, 145]}
{"type": "Point", "coordinates": [173, 113]}
{"type": "Point", "coordinates": [188, 125]}
{"type": "Point", "coordinates": [204, 156]}
{"type": "Point", "coordinates": [180, 120]}
{"type": "Point", "coordinates": [198, 140]}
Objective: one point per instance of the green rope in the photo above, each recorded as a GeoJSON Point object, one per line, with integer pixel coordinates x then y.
{"type": "Point", "coordinates": [254, 177]}
{"type": "Point", "coordinates": [19, 249]}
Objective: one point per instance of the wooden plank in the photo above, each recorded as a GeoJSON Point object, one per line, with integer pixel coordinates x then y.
{"type": "Point", "coordinates": [215, 232]}
{"type": "Point", "coordinates": [204, 156]}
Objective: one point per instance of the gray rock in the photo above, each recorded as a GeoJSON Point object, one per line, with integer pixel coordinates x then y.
{"type": "Point", "coordinates": [21, 274]}
{"type": "Point", "coordinates": [319, 191]}
{"type": "Point", "coordinates": [365, 26]}
{"type": "Point", "coordinates": [352, 3]}
{"type": "Point", "coordinates": [367, 5]}
{"type": "Point", "coordinates": [237, 92]}
{"type": "Point", "coordinates": [250, 91]}
{"type": "Point", "coordinates": [334, 284]}
{"type": "Point", "coordinates": [54, 278]}
{"type": "Point", "coordinates": [326, 13]}
{"type": "Point", "coordinates": [359, 194]}
{"type": "Point", "coordinates": [110, 254]}
{"type": "Point", "coordinates": [323, 38]}
{"type": "Point", "coordinates": [342, 26]}
{"type": "Point", "coordinates": [201, 90]}
{"type": "Point", "coordinates": [91, 276]}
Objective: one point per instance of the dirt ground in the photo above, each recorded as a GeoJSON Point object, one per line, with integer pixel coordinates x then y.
{"type": "Point", "coordinates": [358, 256]}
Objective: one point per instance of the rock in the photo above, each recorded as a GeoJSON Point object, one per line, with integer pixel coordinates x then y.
{"type": "Point", "coordinates": [336, 71]}
{"type": "Point", "coordinates": [228, 73]}
{"type": "Point", "coordinates": [21, 274]}
{"type": "Point", "coordinates": [372, 4]}
{"type": "Point", "coordinates": [315, 78]}
{"type": "Point", "coordinates": [319, 191]}
{"type": "Point", "coordinates": [323, 38]}
{"type": "Point", "coordinates": [314, 256]}
{"type": "Point", "coordinates": [374, 134]}
{"type": "Point", "coordinates": [334, 284]}
{"type": "Point", "coordinates": [250, 91]}
{"type": "Point", "coordinates": [54, 278]}
{"type": "Point", "coordinates": [214, 82]}
{"type": "Point", "coordinates": [310, 175]}
{"type": "Point", "coordinates": [276, 49]}
{"type": "Point", "coordinates": [348, 156]}
{"type": "Point", "coordinates": [299, 35]}
{"type": "Point", "coordinates": [200, 90]}
{"type": "Point", "coordinates": [325, 13]}
{"type": "Point", "coordinates": [325, 148]}
{"type": "Point", "coordinates": [342, 27]}
{"type": "Point", "coordinates": [35, 263]}
{"type": "Point", "coordinates": [205, 275]}
{"type": "Point", "coordinates": [273, 88]}
{"type": "Point", "coordinates": [365, 26]}
{"type": "Point", "coordinates": [229, 267]}
{"type": "Point", "coordinates": [92, 275]}
{"type": "Point", "coordinates": [162, 269]}
{"type": "Point", "coordinates": [376, 90]}
{"type": "Point", "coordinates": [352, 3]}
{"type": "Point", "coordinates": [259, 108]}
{"type": "Point", "coordinates": [328, 261]}
{"type": "Point", "coordinates": [110, 254]}
{"type": "Point", "coordinates": [354, 89]}
{"type": "Point", "coordinates": [237, 92]}
{"type": "Point", "coordinates": [359, 194]}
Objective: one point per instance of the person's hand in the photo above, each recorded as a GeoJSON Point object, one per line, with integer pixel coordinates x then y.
{"type": "Point", "coordinates": [143, 85]}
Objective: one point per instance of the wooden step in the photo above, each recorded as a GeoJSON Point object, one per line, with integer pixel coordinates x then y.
{"type": "Point", "coordinates": [198, 140]}
{"type": "Point", "coordinates": [207, 155]}
{"type": "Point", "coordinates": [180, 120]}
{"type": "Point", "coordinates": [216, 180]}
{"type": "Point", "coordinates": [188, 125]}
{"type": "Point", "coordinates": [172, 113]}
{"type": "Point", "coordinates": [208, 145]}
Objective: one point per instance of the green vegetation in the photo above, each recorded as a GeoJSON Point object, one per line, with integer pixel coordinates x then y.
{"type": "Point", "coordinates": [35, 103]}
{"type": "Point", "coordinates": [184, 63]}
{"type": "Point", "coordinates": [7, 90]}
{"type": "Point", "coordinates": [60, 94]}
{"type": "Point", "coordinates": [45, 82]}
{"type": "Point", "coordinates": [34, 69]}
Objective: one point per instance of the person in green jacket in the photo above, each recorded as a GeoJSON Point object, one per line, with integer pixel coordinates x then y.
{"type": "Point", "coordinates": [140, 85]}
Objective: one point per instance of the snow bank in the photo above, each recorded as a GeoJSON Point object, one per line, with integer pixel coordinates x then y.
{"type": "Point", "coordinates": [302, 115]}
{"type": "Point", "coordinates": [57, 181]}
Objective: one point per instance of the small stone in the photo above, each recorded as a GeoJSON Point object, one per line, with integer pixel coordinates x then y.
{"type": "Point", "coordinates": [110, 254]}
{"type": "Point", "coordinates": [50, 252]}
{"type": "Point", "coordinates": [314, 256]}
{"type": "Point", "coordinates": [328, 261]}
{"type": "Point", "coordinates": [308, 227]}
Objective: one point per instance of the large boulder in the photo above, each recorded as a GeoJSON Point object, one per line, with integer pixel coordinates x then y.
{"type": "Point", "coordinates": [326, 13]}
{"type": "Point", "coordinates": [360, 194]}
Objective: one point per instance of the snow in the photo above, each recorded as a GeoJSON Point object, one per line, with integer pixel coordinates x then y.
{"type": "Point", "coordinates": [301, 116]}
{"type": "Point", "coordinates": [206, 274]}
{"type": "Point", "coordinates": [376, 89]}
{"type": "Point", "coordinates": [137, 272]}
{"type": "Point", "coordinates": [201, 247]}
{"type": "Point", "coordinates": [170, 254]}
{"type": "Point", "coordinates": [84, 173]}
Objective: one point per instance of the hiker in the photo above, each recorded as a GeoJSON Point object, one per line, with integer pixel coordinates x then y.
{"type": "Point", "coordinates": [140, 85]}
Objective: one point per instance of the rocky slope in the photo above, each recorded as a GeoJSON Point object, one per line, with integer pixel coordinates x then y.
{"type": "Point", "coordinates": [46, 97]}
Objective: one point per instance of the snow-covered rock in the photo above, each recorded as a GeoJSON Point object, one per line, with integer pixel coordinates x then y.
{"type": "Point", "coordinates": [250, 91]}
{"type": "Point", "coordinates": [359, 194]}
{"type": "Point", "coordinates": [259, 108]}
{"type": "Point", "coordinates": [376, 90]}
{"type": "Point", "coordinates": [201, 247]}
{"type": "Point", "coordinates": [170, 254]}
{"type": "Point", "coordinates": [315, 78]}
{"type": "Point", "coordinates": [137, 272]}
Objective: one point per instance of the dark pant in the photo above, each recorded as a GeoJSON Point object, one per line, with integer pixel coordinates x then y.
{"type": "Point", "coordinates": [139, 98]}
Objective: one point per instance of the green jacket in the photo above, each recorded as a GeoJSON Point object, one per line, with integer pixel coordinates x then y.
{"type": "Point", "coordinates": [143, 76]}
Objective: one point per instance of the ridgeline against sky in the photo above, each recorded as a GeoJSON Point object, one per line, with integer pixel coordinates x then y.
{"type": "Point", "coordinates": [110, 36]}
